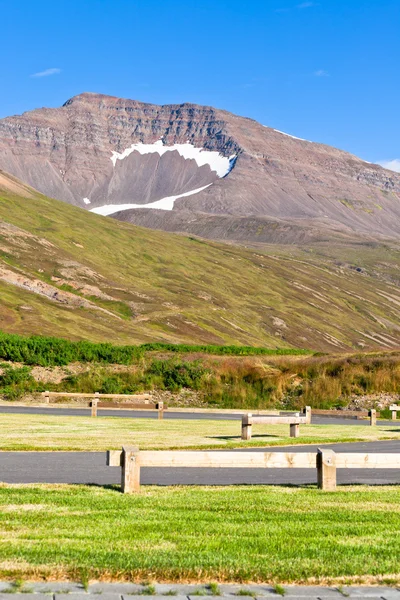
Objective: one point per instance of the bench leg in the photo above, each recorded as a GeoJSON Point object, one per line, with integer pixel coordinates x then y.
{"type": "Point", "coordinates": [294, 430]}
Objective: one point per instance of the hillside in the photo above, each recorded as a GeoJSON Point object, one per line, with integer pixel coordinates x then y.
{"type": "Point", "coordinates": [197, 169]}
{"type": "Point", "coordinates": [74, 274]}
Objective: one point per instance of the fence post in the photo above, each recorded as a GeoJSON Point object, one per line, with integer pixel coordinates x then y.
{"type": "Point", "coordinates": [394, 411]}
{"type": "Point", "coordinates": [326, 468]}
{"type": "Point", "coordinates": [372, 415]}
{"type": "Point", "coordinates": [46, 395]}
{"type": "Point", "coordinates": [294, 430]}
{"type": "Point", "coordinates": [130, 476]}
{"type": "Point", "coordinates": [307, 412]}
{"type": "Point", "coordinates": [94, 404]}
{"type": "Point", "coordinates": [246, 426]}
{"type": "Point", "coordinates": [160, 407]}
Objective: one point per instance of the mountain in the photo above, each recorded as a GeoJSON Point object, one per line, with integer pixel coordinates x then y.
{"type": "Point", "coordinates": [70, 273]}
{"type": "Point", "coordinates": [199, 170]}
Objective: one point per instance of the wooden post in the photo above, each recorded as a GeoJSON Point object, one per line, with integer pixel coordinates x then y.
{"type": "Point", "coordinates": [326, 467]}
{"type": "Point", "coordinates": [307, 412]}
{"type": "Point", "coordinates": [294, 430]}
{"type": "Point", "coordinates": [246, 426]}
{"type": "Point", "coordinates": [160, 407]}
{"type": "Point", "coordinates": [394, 415]}
{"type": "Point", "coordinates": [130, 476]}
{"type": "Point", "coordinates": [46, 395]}
{"type": "Point", "coordinates": [372, 415]}
{"type": "Point", "coordinates": [94, 404]}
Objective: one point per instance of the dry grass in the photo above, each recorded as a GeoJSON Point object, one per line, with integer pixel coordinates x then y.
{"type": "Point", "coordinates": [42, 432]}
{"type": "Point", "coordinates": [294, 382]}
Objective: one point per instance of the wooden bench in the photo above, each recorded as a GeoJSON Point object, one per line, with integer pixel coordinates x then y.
{"type": "Point", "coordinates": [294, 421]}
{"type": "Point", "coordinates": [130, 459]}
{"type": "Point", "coordinates": [394, 408]}
{"type": "Point", "coordinates": [140, 401]}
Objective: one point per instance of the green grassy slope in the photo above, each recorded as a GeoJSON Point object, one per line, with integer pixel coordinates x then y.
{"type": "Point", "coordinates": [67, 272]}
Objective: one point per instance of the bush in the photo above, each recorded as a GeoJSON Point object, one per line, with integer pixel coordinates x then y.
{"type": "Point", "coordinates": [16, 381]}
{"type": "Point", "coordinates": [176, 375]}
{"type": "Point", "coordinates": [49, 351]}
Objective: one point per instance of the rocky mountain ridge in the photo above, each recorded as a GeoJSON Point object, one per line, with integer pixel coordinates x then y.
{"type": "Point", "coordinates": [67, 153]}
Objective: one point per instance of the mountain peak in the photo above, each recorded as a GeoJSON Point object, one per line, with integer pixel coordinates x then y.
{"type": "Point", "coordinates": [105, 152]}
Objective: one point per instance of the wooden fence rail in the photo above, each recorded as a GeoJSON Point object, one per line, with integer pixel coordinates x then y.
{"type": "Point", "coordinates": [343, 414]}
{"type": "Point", "coordinates": [131, 459]}
{"type": "Point", "coordinates": [140, 401]}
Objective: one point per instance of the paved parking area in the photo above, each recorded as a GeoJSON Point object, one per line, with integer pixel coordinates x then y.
{"type": "Point", "coordinates": [171, 414]}
{"type": "Point", "coordinates": [90, 468]}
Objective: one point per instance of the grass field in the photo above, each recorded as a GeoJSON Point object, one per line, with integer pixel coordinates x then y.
{"type": "Point", "coordinates": [239, 534]}
{"type": "Point", "coordinates": [127, 284]}
{"type": "Point", "coordinates": [43, 432]}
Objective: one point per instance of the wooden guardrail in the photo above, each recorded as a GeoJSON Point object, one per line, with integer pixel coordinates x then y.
{"type": "Point", "coordinates": [140, 401]}
{"type": "Point", "coordinates": [344, 414]}
{"type": "Point", "coordinates": [293, 420]}
{"type": "Point", "coordinates": [131, 459]}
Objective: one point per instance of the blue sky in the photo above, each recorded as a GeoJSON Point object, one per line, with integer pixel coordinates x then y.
{"type": "Point", "coordinates": [324, 70]}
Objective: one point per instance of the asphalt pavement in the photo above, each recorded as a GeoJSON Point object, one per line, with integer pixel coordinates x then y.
{"type": "Point", "coordinates": [170, 414]}
{"type": "Point", "coordinates": [90, 468]}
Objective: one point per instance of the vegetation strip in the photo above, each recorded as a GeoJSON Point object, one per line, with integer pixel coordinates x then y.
{"type": "Point", "coordinates": [202, 380]}
{"type": "Point", "coordinates": [49, 351]}
{"type": "Point", "coordinates": [278, 535]}
{"type": "Point", "coordinates": [52, 432]}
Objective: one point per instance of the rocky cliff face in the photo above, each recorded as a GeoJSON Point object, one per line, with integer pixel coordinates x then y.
{"type": "Point", "coordinates": [98, 151]}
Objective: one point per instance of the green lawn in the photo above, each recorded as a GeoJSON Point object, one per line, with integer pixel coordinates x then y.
{"type": "Point", "coordinates": [270, 534]}
{"type": "Point", "coordinates": [43, 432]}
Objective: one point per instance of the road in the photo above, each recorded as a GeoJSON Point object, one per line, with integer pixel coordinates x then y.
{"type": "Point", "coordinates": [152, 414]}
{"type": "Point", "coordinates": [90, 468]}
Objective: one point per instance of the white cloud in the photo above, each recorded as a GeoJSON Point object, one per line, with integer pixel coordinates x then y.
{"type": "Point", "coordinates": [321, 73]}
{"type": "Point", "coordinates": [392, 165]}
{"type": "Point", "coordinates": [47, 73]}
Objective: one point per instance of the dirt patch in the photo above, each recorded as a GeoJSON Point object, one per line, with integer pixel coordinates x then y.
{"type": "Point", "coordinates": [19, 279]}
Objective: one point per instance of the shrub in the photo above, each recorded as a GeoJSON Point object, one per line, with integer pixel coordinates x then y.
{"type": "Point", "coordinates": [175, 374]}
{"type": "Point", "coordinates": [16, 381]}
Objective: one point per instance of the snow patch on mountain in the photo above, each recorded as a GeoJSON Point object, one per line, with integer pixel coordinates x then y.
{"type": "Point", "coordinates": [163, 204]}
{"type": "Point", "coordinates": [222, 165]}
{"type": "Point", "coordinates": [292, 136]}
